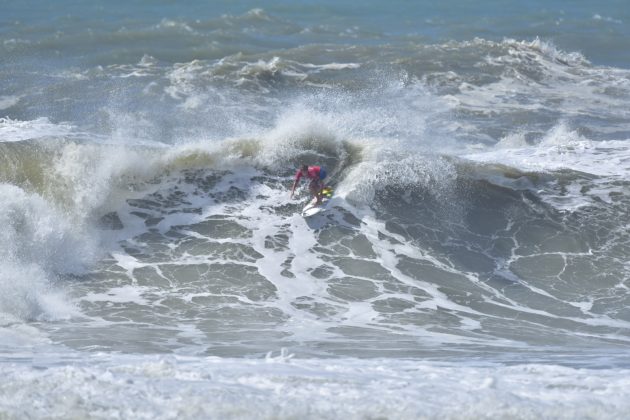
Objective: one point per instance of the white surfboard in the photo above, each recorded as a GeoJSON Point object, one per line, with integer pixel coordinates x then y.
{"type": "Point", "coordinates": [311, 209]}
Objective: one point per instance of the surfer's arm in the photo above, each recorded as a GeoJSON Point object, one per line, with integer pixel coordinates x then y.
{"type": "Point", "coordinates": [298, 175]}
{"type": "Point", "coordinates": [293, 189]}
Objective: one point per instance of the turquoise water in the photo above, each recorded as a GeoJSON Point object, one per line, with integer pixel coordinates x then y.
{"type": "Point", "coordinates": [86, 31]}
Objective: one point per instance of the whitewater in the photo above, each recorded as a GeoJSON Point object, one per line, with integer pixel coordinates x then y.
{"type": "Point", "coordinates": [472, 263]}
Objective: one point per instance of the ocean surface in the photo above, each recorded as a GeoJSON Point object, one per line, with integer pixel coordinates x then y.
{"type": "Point", "coordinates": [474, 261]}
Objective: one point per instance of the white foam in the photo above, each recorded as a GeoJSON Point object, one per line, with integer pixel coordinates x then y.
{"type": "Point", "coordinates": [561, 148]}
{"type": "Point", "coordinates": [95, 177]}
{"type": "Point", "coordinates": [599, 17]}
{"type": "Point", "coordinates": [15, 130]}
{"type": "Point", "coordinates": [26, 295]}
{"type": "Point", "coordinates": [8, 101]}
{"type": "Point", "coordinates": [15, 43]}
{"type": "Point", "coordinates": [37, 242]}
{"type": "Point", "coordinates": [118, 295]}
{"type": "Point", "coordinates": [17, 335]}
{"type": "Point", "coordinates": [332, 66]}
{"type": "Point", "coordinates": [285, 387]}
{"type": "Point", "coordinates": [538, 78]}
{"type": "Point", "coordinates": [174, 24]}
{"type": "Point", "coordinates": [34, 231]}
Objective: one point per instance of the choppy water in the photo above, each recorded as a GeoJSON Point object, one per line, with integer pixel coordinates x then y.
{"type": "Point", "coordinates": [473, 263]}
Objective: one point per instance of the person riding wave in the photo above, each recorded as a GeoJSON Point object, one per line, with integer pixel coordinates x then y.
{"type": "Point", "coordinates": [316, 174]}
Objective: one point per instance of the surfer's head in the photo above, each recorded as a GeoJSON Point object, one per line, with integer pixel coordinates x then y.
{"type": "Point", "coordinates": [304, 169]}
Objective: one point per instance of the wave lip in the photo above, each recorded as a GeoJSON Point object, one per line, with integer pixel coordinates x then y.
{"type": "Point", "coordinates": [28, 295]}
{"type": "Point", "coordinates": [559, 149]}
{"type": "Point", "coordinates": [38, 243]}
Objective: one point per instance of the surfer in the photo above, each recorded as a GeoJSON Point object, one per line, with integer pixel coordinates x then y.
{"type": "Point", "coordinates": [316, 174]}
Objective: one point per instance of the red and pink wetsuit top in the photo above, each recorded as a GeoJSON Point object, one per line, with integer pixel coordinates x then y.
{"type": "Point", "coordinates": [312, 173]}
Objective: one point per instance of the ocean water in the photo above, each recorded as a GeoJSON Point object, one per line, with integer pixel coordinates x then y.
{"type": "Point", "coordinates": [474, 261]}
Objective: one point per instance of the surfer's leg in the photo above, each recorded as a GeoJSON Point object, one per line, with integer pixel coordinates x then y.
{"type": "Point", "coordinates": [313, 189]}
{"type": "Point", "coordinates": [320, 185]}
{"type": "Point", "coordinates": [316, 190]}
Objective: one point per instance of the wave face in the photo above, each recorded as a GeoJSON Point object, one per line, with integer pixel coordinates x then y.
{"type": "Point", "coordinates": [515, 244]}
{"type": "Point", "coordinates": [479, 222]}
